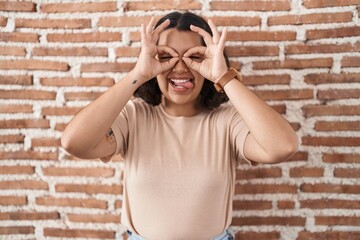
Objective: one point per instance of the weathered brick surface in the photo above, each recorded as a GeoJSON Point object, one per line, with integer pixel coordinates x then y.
{"type": "Point", "coordinates": [302, 57]}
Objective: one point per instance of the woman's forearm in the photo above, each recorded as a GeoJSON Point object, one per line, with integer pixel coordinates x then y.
{"type": "Point", "coordinates": [90, 125]}
{"type": "Point", "coordinates": [269, 129]}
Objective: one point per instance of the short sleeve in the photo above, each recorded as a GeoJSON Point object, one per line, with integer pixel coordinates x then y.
{"type": "Point", "coordinates": [120, 128]}
{"type": "Point", "coordinates": [238, 133]}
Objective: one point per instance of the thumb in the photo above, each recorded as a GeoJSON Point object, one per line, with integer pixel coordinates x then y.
{"type": "Point", "coordinates": [191, 63]}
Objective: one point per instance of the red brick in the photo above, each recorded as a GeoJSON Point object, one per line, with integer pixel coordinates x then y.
{"type": "Point", "coordinates": [107, 67]}
{"type": "Point", "coordinates": [12, 139]}
{"type": "Point", "coordinates": [337, 221]}
{"type": "Point", "coordinates": [328, 235]}
{"type": "Point", "coordinates": [251, 205]}
{"type": "Point", "coordinates": [318, 78]}
{"type": "Point", "coordinates": [60, 127]}
{"type": "Point", "coordinates": [123, 21]}
{"type": "Point", "coordinates": [53, 23]}
{"type": "Point", "coordinates": [321, 48]}
{"type": "Point", "coordinates": [79, 7]}
{"type": "Point", "coordinates": [25, 215]}
{"type": "Point", "coordinates": [330, 204]}
{"type": "Point", "coordinates": [79, 172]}
{"type": "Point", "coordinates": [330, 188]}
{"type": "Point", "coordinates": [13, 51]}
{"type": "Point", "coordinates": [333, 33]}
{"type": "Point", "coordinates": [59, 111]}
{"type": "Point", "coordinates": [3, 22]}
{"type": "Point", "coordinates": [162, 5]}
{"type": "Point", "coordinates": [323, 110]}
{"type": "Point", "coordinates": [13, 200]}
{"type": "Point", "coordinates": [71, 96]}
{"type": "Point", "coordinates": [8, 230]}
{"type": "Point", "coordinates": [306, 172]}
{"type": "Point", "coordinates": [337, 126]}
{"type": "Point", "coordinates": [17, 170]}
{"type": "Point", "coordinates": [19, 37]}
{"type": "Point", "coordinates": [237, 51]}
{"type": "Point", "coordinates": [265, 188]}
{"type": "Point", "coordinates": [273, 221]}
{"type": "Point", "coordinates": [14, 108]}
{"type": "Point", "coordinates": [341, 158]}
{"type": "Point", "coordinates": [73, 51]}
{"type": "Point", "coordinates": [258, 235]}
{"type": "Point", "coordinates": [78, 233]}
{"type": "Point", "coordinates": [266, 79]}
{"type": "Point", "coordinates": [25, 123]}
{"type": "Point", "coordinates": [251, 5]}
{"type": "Point", "coordinates": [338, 94]}
{"type": "Point", "coordinates": [26, 155]}
{"type": "Point", "coordinates": [294, 63]}
{"type": "Point", "coordinates": [261, 36]}
{"type": "Point", "coordinates": [292, 94]}
{"type": "Point", "coordinates": [284, 204]}
{"type": "Point", "coordinates": [127, 52]}
{"type": "Point", "coordinates": [259, 173]}
{"type": "Point", "coordinates": [34, 65]}
{"type": "Point", "coordinates": [27, 94]}
{"type": "Point", "coordinates": [118, 204]}
{"type": "Point", "coordinates": [94, 218]}
{"type": "Point", "coordinates": [346, 173]}
{"type": "Point", "coordinates": [12, 6]}
{"type": "Point", "coordinates": [45, 142]}
{"type": "Point", "coordinates": [310, 18]}
{"type": "Point", "coordinates": [350, 61]}
{"type": "Point", "coordinates": [327, 3]}
{"type": "Point", "coordinates": [68, 81]}
{"type": "Point", "coordinates": [330, 141]}
{"type": "Point", "coordinates": [85, 37]}
{"type": "Point", "coordinates": [24, 184]}
{"type": "Point", "coordinates": [71, 202]}
{"type": "Point", "coordinates": [237, 21]}
{"type": "Point", "coordinates": [89, 188]}
{"type": "Point", "coordinates": [16, 80]}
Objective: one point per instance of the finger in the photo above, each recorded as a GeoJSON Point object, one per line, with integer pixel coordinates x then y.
{"type": "Point", "coordinates": [159, 29]}
{"type": "Point", "coordinates": [143, 34]}
{"type": "Point", "coordinates": [191, 64]}
{"type": "Point", "coordinates": [195, 50]}
{"type": "Point", "coordinates": [168, 64]}
{"type": "Point", "coordinates": [206, 36]}
{"type": "Point", "coordinates": [150, 26]}
{"type": "Point", "coordinates": [166, 49]}
{"type": "Point", "coordinates": [215, 32]}
{"type": "Point", "coordinates": [223, 38]}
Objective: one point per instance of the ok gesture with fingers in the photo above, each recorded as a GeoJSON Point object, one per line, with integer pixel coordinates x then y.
{"type": "Point", "coordinates": [147, 65]}
{"type": "Point", "coordinates": [213, 65]}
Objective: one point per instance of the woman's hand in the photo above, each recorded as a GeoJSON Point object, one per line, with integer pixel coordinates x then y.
{"type": "Point", "coordinates": [147, 65]}
{"type": "Point", "coordinates": [213, 65]}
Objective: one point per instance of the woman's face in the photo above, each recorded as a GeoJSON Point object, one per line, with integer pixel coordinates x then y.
{"type": "Point", "coordinates": [180, 85]}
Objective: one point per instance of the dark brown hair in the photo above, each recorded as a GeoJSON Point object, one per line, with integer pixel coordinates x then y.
{"type": "Point", "coordinates": [209, 98]}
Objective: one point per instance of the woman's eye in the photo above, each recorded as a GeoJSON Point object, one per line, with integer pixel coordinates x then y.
{"type": "Point", "coordinates": [196, 58]}
{"type": "Point", "coordinates": [164, 58]}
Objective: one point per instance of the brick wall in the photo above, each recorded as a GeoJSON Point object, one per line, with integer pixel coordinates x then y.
{"type": "Point", "coordinates": [301, 56]}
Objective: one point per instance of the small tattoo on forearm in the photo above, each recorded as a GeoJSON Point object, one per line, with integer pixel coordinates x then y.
{"type": "Point", "coordinates": [134, 81]}
{"type": "Point", "coordinates": [110, 136]}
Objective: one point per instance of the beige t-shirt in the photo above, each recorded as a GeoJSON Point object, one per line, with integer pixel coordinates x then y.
{"type": "Point", "coordinates": [179, 174]}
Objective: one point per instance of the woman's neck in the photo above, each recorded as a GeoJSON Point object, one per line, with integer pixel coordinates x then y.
{"type": "Point", "coordinates": [176, 110]}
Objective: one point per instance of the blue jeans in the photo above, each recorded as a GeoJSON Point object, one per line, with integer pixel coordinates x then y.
{"type": "Point", "coordinates": [226, 235]}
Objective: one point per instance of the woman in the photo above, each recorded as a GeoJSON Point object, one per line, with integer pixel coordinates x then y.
{"type": "Point", "coordinates": [180, 144]}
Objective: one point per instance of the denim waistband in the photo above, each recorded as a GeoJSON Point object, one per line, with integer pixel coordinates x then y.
{"type": "Point", "coordinates": [226, 235]}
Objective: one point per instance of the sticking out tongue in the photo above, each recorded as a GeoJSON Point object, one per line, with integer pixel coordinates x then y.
{"type": "Point", "coordinates": [187, 84]}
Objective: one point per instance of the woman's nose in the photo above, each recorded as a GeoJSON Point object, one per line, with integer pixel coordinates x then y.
{"type": "Point", "coordinates": [180, 67]}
